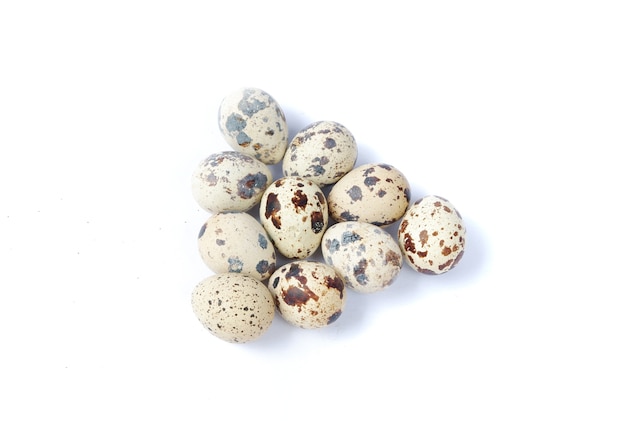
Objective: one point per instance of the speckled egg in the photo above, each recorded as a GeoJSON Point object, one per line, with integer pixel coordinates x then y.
{"type": "Point", "coordinates": [374, 193]}
{"type": "Point", "coordinates": [252, 122]}
{"type": "Point", "coordinates": [234, 307]}
{"type": "Point", "coordinates": [322, 152]}
{"type": "Point", "coordinates": [294, 212]}
{"type": "Point", "coordinates": [230, 182]}
{"type": "Point", "coordinates": [366, 256]}
{"type": "Point", "coordinates": [432, 235]}
{"type": "Point", "coordinates": [236, 242]}
{"type": "Point", "coordinates": [308, 294]}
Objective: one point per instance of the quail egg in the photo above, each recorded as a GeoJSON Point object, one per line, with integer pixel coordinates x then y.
{"type": "Point", "coordinates": [308, 294]}
{"type": "Point", "coordinates": [233, 307]}
{"type": "Point", "coordinates": [432, 235]}
{"type": "Point", "coordinates": [374, 193]}
{"type": "Point", "coordinates": [252, 122]}
{"type": "Point", "coordinates": [230, 181]}
{"type": "Point", "coordinates": [236, 242]}
{"type": "Point", "coordinates": [322, 152]}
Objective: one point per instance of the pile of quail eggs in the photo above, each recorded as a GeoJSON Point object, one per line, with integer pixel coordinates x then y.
{"type": "Point", "coordinates": [296, 218]}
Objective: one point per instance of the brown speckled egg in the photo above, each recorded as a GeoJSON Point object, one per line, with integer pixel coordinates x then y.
{"type": "Point", "coordinates": [308, 294]}
{"type": "Point", "coordinates": [366, 256]}
{"type": "Point", "coordinates": [236, 242]}
{"type": "Point", "coordinates": [294, 213]}
{"type": "Point", "coordinates": [233, 307]}
{"type": "Point", "coordinates": [432, 235]}
{"type": "Point", "coordinates": [230, 182]}
{"type": "Point", "coordinates": [374, 193]}
{"type": "Point", "coordinates": [252, 122]}
{"type": "Point", "coordinates": [322, 152]}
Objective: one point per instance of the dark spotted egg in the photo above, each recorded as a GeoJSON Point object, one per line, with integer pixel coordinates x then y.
{"type": "Point", "coordinates": [252, 122]}
{"type": "Point", "coordinates": [236, 242]}
{"type": "Point", "coordinates": [308, 294]}
{"type": "Point", "coordinates": [322, 152]}
{"type": "Point", "coordinates": [374, 193]}
{"type": "Point", "coordinates": [230, 182]}
{"type": "Point", "coordinates": [294, 212]}
{"type": "Point", "coordinates": [432, 235]}
{"type": "Point", "coordinates": [366, 256]}
{"type": "Point", "coordinates": [233, 307]}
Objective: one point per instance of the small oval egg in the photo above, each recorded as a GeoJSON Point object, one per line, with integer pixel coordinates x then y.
{"type": "Point", "coordinates": [230, 181]}
{"type": "Point", "coordinates": [233, 307]}
{"type": "Point", "coordinates": [294, 213]}
{"type": "Point", "coordinates": [374, 193]}
{"type": "Point", "coordinates": [236, 242]}
{"type": "Point", "coordinates": [366, 256]}
{"type": "Point", "coordinates": [308, 294]}
{"type": "Point", "coordinates": [322, 152]}
{"type": "Point", "coordinates": [252, 122]}
{"type": "Point", "coordinates": [432, 235]}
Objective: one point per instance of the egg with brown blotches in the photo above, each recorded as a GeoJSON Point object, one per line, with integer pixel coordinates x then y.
{"type": "Point", "coordinates": [294, 213]}
{"type": "Point", "coordinates": [432, 235]}
{"type": "Point", "coordinates": [308, 294]}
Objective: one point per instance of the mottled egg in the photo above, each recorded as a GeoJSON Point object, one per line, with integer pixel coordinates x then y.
{"type": "Point", "coordinates": [366, 256]}
{"type": "Point", "coordinates": [322, 152]}
{"type": "Point", "coordinates": [308, 294]}
{"type": "Point", "coordinates": [236, 242]}
{"type": "Point", "coordinates": [234, 307]}
{"type": "Point", "coordinates": [252, 122]}
{"type": "Point", "coordinates": [432, 235]}
{"type": "Point", "coordinates": [230, 182]}
{"type": "Point", "coordinates": [294, 212]}
{"type": "Point", "coordinates": [374, 193]}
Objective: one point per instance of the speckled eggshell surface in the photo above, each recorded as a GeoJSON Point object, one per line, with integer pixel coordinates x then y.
{"type": "Point", "coordinates": [233, 307]}
{"type": "Point", "coordinates": [308, 294]}
{"type": "Point", "coordinates": [432, 235]}
{"type": "Point", "coordinates": [374, 193]}
{"type": "Point", "coordinates": [322, 152]}
{"type": "Point", "coordinates": [236, 242]}
{"type": "Point", "coordinates": [366, 256]}
{"type": "Point", "coordinates": [294, 213]}
{"type": "Point", "coordinates": [229, 181]}
{"type": "Point", "coordinates": [252, 122]}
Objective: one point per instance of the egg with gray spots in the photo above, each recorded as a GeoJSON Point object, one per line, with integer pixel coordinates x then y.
{"type": "Point", "coordinates": [322, 152]}
{"type": "Point", "coordinates": [252, 122]}
{"type": "Point", "coordinates": [236, 242]}
{"type": "Point", "coordinates": [230, 181]}
{"type": "Point", "coordinates": [294, 212]}
{"type": "Point", "coordinates": [308, 294]}
{"type": "Point", "coordinates": [233, 307]}
{"type": "Point", "coordinates": [432, 235]}
{"type": "Point", "coordinates": [374, 193]}
{"type": "Point", "coordinates": [366, 256]}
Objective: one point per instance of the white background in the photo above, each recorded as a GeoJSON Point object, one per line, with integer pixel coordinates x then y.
{"type": "Point", "coordinates": [514, 111]}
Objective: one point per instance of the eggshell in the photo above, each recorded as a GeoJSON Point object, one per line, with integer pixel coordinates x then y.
{"type": "Point", "coordinates": [252, 122]}
{"type": "Point", "coordinates": [294, 213]}
{"type": "Point", "coordinates": [366, 256]}
{"type": "Point", "coordinates": [432, 235]}
{"type": "Point", "coordinates": [374, 193]}
{"type": "Point", "coordinates": [230, 182]}
{"type": "Point", "coordinates": [322, 152]}
{"type": "Point", "coordinates": [234, 307]}
{"type": "Point", "coordinates": [308, 294]}
{"type": "Point", "coordinates": [236, 242]}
